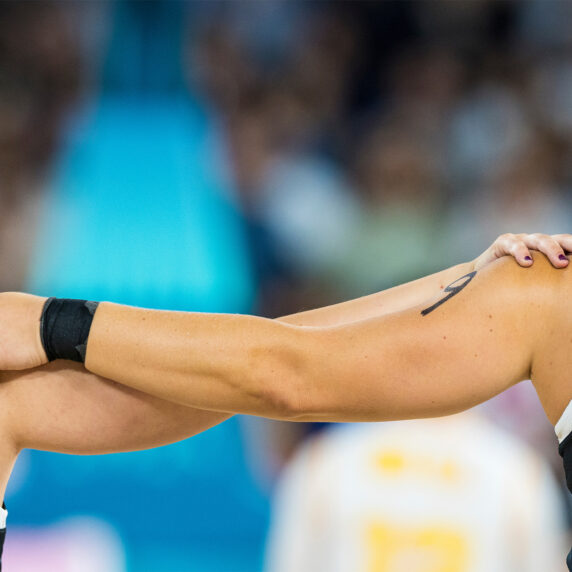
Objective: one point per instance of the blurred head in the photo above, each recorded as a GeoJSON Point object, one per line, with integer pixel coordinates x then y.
{"type": "Point", "coordinates": [39, 80]}
{"type": "Point", "coordinates": [530, 174]}
{"type": "Point", "coordinates": [394, 166]}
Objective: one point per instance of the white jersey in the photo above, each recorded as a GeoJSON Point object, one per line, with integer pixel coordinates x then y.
{"type": "Point", "coordinates": [455, 494]}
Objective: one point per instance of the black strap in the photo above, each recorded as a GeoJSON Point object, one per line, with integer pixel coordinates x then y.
{"type": "Point", "coordinates": [65, 326]}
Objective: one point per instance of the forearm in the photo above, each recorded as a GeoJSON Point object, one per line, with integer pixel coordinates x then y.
{"type": "Point", "coordinates": [219, 362]}
{"type": "Point", "coordinates": [61, 407]}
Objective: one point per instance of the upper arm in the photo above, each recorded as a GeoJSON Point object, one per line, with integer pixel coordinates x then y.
{"type": "Point", "coordinates": [63, 408]}
{"type": "Point", "coordinates": [380, 303]}
{"type": "Point", "coordinates": [407, 365]}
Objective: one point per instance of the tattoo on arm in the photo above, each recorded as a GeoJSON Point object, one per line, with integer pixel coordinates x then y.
{"type": "Point", "coordinates": [453, 289]}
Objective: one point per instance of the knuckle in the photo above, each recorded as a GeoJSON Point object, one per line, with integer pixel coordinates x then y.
{"type": "Point", "coordinates": [549, 242]}
{"type": "Point", "coordinates": [517, 248]}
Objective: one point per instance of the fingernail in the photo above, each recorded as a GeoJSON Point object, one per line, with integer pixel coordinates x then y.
{"type": "Point", "coordinates": [562, 257]}
{"type": "Point", "coordinates": [527, 258]}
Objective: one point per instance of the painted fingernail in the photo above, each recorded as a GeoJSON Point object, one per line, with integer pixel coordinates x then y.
{"type": "Point", "coordinates": [528, 258]}
{"type": "Point", "coordinates": [562, 257]}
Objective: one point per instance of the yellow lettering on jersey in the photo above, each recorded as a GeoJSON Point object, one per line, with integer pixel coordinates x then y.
{"type": "Point", "coordinates": [394, 463]}
{"type": "Point", "coordinates": [391, 462]}
{"type": "Point", "coordinates": [429, 549]}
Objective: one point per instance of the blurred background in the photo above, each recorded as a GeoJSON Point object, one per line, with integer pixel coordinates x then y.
{"type": "Point", "coordinates": [267, 157]}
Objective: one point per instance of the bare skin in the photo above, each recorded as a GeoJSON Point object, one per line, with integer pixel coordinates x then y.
{"type": "Point", "coordinates": [505, 325]}
{"type": "Point", "coordinates": [60, 407]}
{"type": "Point", "coordinates": [431, 347]}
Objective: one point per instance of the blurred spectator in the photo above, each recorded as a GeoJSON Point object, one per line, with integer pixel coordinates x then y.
{"type": "Point", "coordinates": [449, 494]}
{"type": "Point", "coordinates": [542, 28]}
{"type": "Point", "coordinates": [397, 238]}
{"type": "Point", "coordinates": [40, 78]}
{"type": "Point", "coordinates": [523, 191]}
{"type": "Point", "coordinates": [550, 85]}
{"type": "Point", "coordinates": [489, 126]}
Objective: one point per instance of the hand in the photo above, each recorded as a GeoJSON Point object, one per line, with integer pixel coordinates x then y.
{"type": "Point", "coordinates": [519, 245]}
{"type": "Point", "coordinates": [20, 343]}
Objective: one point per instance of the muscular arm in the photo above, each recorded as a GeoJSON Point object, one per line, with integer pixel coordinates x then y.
{"type": "Point", "coordinates": [381, 303]}
{"type": "Point", "coordinates": [61, 407]}
{"type": "Point", "coordinates": [399, 365]}
{"type": "Point", "coordinates": [191, 420]}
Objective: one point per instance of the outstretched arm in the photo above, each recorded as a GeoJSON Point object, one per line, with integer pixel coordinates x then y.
{"type": "Point", "coordinates": [67, 409]}
{"type": "Point", "coordinates": [406, 364]}
{"type": "Point", "coordinates": [274, 393]}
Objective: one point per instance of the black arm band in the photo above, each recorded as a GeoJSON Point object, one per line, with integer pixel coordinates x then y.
{"type": "Point", "coordinates": [64, 328]}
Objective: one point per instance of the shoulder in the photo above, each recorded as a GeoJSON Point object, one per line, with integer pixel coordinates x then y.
{"type": "Point", "coordinates": [539, 289]}
{"type": "Point", "coordinates": [545, 295]}
{"type": "Point", "coordinates": [507, 268]}
{"type": "Point", "coordinates": [541, 270]}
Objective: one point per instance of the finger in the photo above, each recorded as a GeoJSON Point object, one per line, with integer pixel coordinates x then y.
{"type": "Point", "coordinates": [549, 247]}
{"type": "Point", "coordinates": [513, 245]}
{"type": "Point", "coordinates": [565, 241]}
{"type": "Point", "coordinates": [520, 252]}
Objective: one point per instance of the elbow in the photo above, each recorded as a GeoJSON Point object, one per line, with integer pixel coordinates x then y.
{"type": "Point", "coordinates": [281, 400]}
{"type": "Point", "coordinates": [284, 379]}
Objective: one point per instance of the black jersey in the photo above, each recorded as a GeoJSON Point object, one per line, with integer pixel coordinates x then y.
{"type": "Point", "coordinates": [2, 538]}
{"type": "Point", "coordinates": [565, 450]}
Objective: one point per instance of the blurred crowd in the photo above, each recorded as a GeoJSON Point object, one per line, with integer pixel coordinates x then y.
{"type": "Point", "coordinates": [417, 130]}
{"type": "Point", "coordinates": [389, 115]}
{"type": "Point", "coordinates": [367, 143]}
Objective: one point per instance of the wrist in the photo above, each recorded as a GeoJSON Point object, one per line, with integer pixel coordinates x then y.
{"type": "Point", "coordinates": [35, 306]}
{"type": "Point", "coordinates": [20, 343]}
